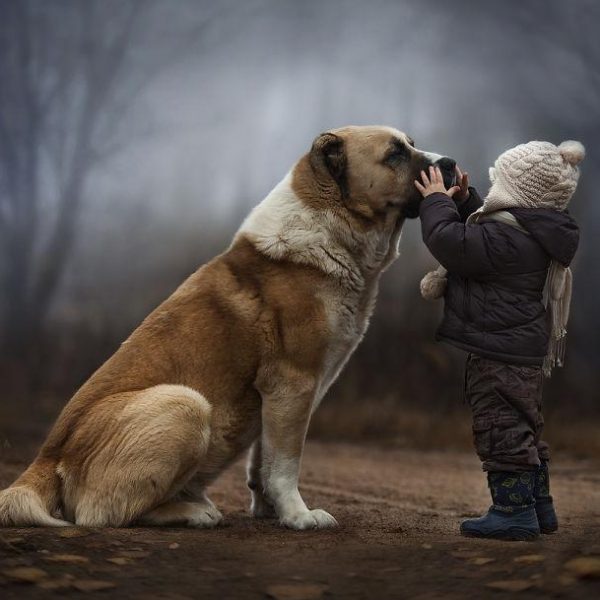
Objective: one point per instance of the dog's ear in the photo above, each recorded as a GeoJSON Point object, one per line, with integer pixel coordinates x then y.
{"type": "Point", "coordinates": [328, 159]}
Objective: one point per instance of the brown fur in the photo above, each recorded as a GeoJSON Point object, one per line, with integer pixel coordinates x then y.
{"type": "Point", "coordinates": [240, 353]}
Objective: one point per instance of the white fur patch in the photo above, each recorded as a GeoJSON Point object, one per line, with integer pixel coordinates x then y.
{"type": "Point", "coordinates": [282, 226]}
{"type": "Point", "coordinates": [281, 485]}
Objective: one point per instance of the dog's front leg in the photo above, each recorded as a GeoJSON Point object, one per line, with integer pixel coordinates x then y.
{"type": "Point", "coordinates": [285, 416]}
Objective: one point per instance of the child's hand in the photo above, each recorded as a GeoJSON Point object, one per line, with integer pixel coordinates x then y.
{"type": "Point", "coordinates": [462, 180]}
{"type": "Point", "coordinates": [434, 183]}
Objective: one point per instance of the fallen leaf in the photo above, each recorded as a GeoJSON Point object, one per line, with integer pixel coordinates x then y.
{"type": "Point", "coordinates": [296, 591]}
{"type": "Point", "coordinates": [25, 574]}
{"type": "Point", "coordinates": [566, 579]}
{"type": "Point", "coordinates": [529, 559]}
{"type": "Point", "coordinates": [464, 554]}
{"type": "Point", "coordinates": [173, 546]}
{"type": "Point", "coordinates": [134, 554]}
{"type": "Point", "coordinates": [61, 583]}
{"type": "Point", "coordinates": [584, 566]}
{"type": "Point", "coordinates": [120, 560]}
{"type": "Point", "coordinates": [12, 544]}
{"type": "Point", "coordinates": [426, 546]}
{"type": "Point", "coordinates": [92, 585]}
{"type": "Point", "coordinates": [14, 540]}
{"type": "Point", "coordinates": [395, 569]}
{"type": "Point", "coordinates": [17, 561]}
{"type": "Point", "coordinates": [74, 559]}
{"type": "Point", "coordinates": [481, 560]}
{"type": "Point", "coordinates": [511, 585]}
{"type": "Point", "coordinates": [73, 532]}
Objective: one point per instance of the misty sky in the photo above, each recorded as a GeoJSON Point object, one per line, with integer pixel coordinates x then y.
{"type": "Point", "coordinates": [251, 85]}
{"type": "Point", "coordinates": [236, 112]}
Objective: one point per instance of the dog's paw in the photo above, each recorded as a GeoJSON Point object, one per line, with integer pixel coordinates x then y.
{"type": "Point", "coordinates": [311, 519]}
{"type": "Point", "coordinates": [205, 517]}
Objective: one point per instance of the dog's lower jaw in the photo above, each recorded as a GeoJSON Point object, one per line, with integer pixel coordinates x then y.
{"type": "Point", "coordinates": [410, 210]}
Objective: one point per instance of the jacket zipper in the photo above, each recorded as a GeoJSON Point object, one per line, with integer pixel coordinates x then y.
{"type": "Point", "coordinates": [466, 310]}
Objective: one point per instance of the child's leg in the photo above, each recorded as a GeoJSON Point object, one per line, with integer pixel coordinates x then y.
{"type": "Point", "coordinates": [505, 400]}
{"type": "Point", "coordinates": [544, 504]}
{"type": "Point", "coordinates": [506, 404]}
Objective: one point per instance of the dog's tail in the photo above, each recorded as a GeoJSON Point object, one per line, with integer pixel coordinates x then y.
{"type": "Point", "coordinates": [32, 498]}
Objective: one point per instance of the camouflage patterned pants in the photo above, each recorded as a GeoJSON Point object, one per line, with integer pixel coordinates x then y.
{"type": "Point", "coordinates": [506, 401]}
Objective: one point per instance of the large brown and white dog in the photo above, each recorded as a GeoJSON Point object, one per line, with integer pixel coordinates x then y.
{"type": "Point", "coordinates": [239, 356]}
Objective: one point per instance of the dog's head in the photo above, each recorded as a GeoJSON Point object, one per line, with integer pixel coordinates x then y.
{"type": "Point", "coordinates": [373, 169]}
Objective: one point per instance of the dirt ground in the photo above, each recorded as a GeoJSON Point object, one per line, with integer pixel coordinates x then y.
{"type": "Point", "coordinates": [399, 512]}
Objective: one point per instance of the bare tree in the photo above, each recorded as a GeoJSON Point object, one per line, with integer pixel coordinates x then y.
{"type": "Point", "coordinates": [70, 75]}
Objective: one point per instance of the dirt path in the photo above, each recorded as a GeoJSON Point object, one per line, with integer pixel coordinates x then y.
{"type": "Point", "coordinates": [399, 512]}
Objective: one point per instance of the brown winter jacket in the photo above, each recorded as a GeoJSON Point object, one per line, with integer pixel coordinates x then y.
{"type": "Point", "coordinates": [496, 275]}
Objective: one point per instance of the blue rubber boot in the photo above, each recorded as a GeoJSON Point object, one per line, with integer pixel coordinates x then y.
{"type": "Point", "coordinates": [512, 516]}
{"type": "Point", "coordinates": [544, 505]}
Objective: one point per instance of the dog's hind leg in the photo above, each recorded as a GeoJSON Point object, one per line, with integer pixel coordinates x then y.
{"type": "Point", "coordinates": [177, 512]}
{"type": "Point", "coordinates": [140, 455]}
{"type": "Point", "coordinates": [260, 506]}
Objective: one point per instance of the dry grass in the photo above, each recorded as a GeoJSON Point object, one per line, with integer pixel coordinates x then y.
{"type": "Point", "coordinates": [388, 423]}
{"type": "Point", "coordinates": [385, 422]}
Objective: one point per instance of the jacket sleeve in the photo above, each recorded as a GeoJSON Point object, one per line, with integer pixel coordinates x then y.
{"type": "Point", "coordinates": [460, 248]}
{"type": "Point", "coordinates": [470, 205]}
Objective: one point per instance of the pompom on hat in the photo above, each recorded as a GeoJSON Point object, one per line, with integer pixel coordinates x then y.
{"type": "Point", "coordinates": [572, 151]}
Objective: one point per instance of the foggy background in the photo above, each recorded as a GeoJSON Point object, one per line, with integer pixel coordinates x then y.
{"type": "Point", "coordinates": [136, 135]}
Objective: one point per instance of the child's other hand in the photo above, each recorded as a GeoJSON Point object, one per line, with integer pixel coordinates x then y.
{"type": "Point", "coordinates": [462, 180]}
{"type": "Point", "coordinates": [434, 183]}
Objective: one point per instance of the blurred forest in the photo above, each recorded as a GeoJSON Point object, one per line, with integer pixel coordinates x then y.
{"type": "Point", "coordinates": [136, 134]}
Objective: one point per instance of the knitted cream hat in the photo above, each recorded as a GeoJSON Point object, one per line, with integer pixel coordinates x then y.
{"type": "Point", "coordinates": [535, 175]}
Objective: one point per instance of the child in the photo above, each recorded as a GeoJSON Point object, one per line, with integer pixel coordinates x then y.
{"type": "Point", "coordinates": [507, 290]}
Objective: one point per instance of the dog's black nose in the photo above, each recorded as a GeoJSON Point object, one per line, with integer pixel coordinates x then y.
{"type": "Point", "coordinates": [446, 164]}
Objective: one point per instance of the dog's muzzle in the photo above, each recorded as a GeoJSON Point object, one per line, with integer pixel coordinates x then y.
{"type": "Point", "coordinates": [448, 168]}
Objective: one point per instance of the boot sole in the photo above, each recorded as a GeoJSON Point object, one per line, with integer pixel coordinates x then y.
{"type": "Point", "coordinates": [548, 530]}
{"type": "Point", "coordinates": [515, 534]}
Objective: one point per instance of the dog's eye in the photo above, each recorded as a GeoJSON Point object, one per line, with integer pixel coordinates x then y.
{"type": "Point", "coordinates": [397, 154]}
